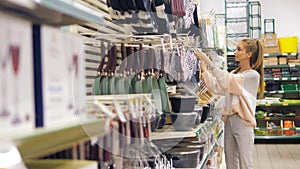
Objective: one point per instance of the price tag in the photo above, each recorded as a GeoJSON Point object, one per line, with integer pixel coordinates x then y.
{"type": "Point", "coordinates": [268, 104]}
{"type": "Point", "coordinates": [281, 91]}
{"type": "Point", "coordinates": [276, 79]}
{"type": "Point", "coordinates": [285, 104]}
{"type": "Point", "coordinates": [294, 78]}
{"type": "Point", "coordinates": [284, 78]}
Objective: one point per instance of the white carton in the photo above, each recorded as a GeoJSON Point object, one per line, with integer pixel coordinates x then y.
{"type": "Point", "coordinates": [62, 76]}
{"type": "Point", "coordinates": [16, 76]}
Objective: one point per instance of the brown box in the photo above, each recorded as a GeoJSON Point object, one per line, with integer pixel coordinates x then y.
{"type": "Point", "coordinates": [269, 36]}
{"type": "Point", "coordinates": [270, 42]}
{"type": "Point", "coordinates": [270, 61]}
{"type": "Point", "coordinates": [271, 49]}
{"type": "Point", "coordinates": [294, 62]}
{"type": "Point", "coordinates": [282, 60]}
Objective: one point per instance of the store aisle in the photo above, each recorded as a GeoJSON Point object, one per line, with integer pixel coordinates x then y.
{"type": "Point", "coordinates": [275, 156]}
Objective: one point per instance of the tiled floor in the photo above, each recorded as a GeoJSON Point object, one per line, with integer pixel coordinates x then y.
{"type": "Point", "coordinates": [275, 156]}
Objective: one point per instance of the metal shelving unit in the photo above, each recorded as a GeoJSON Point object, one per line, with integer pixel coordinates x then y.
{"type": "Point", "coordinates": [255, 19]}
{"type": "Point", "coordinates": [237, 22]}
{"type": "Point", "coordinates": [238, 26]}
{"type": "Point", "coordinates": [285, 110]}
{"type": "Point", "coordinates": [271, 28]}
{"type": "Point", "coordinates": [168, 132]}
{"type": "Point", "coordinates": [208, 154]}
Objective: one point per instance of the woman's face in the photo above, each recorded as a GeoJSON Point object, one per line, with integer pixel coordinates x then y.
{"type": "Point", "coordinates": [240, 53]}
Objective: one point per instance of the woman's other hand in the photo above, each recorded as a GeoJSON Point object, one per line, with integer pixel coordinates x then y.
{"type": "Point", "coordinates": [203, 67]}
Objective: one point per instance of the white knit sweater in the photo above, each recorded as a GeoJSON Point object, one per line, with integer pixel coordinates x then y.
{"type": "Point", "coordinates": [240, 91]}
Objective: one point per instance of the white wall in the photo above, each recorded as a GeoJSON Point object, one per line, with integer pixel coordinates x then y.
{"type": "Point", "coordinates": [285, 12]}
{"type": "Point", "coordinates": [217, 5]}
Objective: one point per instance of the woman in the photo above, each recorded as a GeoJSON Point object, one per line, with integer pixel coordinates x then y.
{"type": "Point", "coordinates": [240, 90]}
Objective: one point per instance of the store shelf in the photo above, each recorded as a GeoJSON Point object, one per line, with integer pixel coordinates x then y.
{"type": "Point", "coordinates": [54, 12]}
{"type": "Point", "coordinates": [280, 66]}
{"type": "Point", "coordinates": [44, 141]}
{"type": "Point", "coordinates": [208, 154]}
{"type": "Point", "coordinates": [280, 54]}
{"type": "Point", "coordinates": [280, 104]}
{"type": "Point", "coordinates": [236, 20]}
{"type": "Point", "coordinates": [255, 15]}
{"type": "Point", "coordinates": [279, 118]}
{"type": "Point", "coordinates": [283, 78]}
{"type": "Point", "coordinates": [277, 137]}
{"type": "Point", "coordinates": [237, 35]}
{"type": "Point", "coordinates": [281, 92]}
{"type": "Point", "coordinates": [168, 132]}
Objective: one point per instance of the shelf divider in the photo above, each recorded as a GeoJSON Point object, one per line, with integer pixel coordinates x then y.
{"type": "Point", "coordinates": [44, 141]}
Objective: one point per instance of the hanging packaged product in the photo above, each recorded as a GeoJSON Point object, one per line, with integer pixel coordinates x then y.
{"type": "Point", "coordinates": [59, 58]}
{"type": "Point", "coordinates": [16, 76]}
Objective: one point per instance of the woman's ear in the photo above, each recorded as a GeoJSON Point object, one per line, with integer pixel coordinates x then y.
{"type": "Point", "coordinates": [249, 54]}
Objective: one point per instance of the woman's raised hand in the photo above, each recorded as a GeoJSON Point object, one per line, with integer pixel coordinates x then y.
{"type": "Point", "coordinates": [203, 57]}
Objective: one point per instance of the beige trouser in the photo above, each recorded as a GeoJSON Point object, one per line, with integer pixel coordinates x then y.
{"type": "Point", "coordinates": [238, 144]}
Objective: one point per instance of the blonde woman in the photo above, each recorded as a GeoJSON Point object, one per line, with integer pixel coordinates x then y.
{"type": "Point", "coordinates": [240, 90]}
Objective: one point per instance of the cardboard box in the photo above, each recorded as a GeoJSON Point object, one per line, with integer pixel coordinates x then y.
{"type": "Point", "coordinates": [294, 62]}
{"type": "Point", "coordinates": [16, 76]}
{"type": "Point", "coordinates": [270, 61]}
{"type": "Point", "coordinates": [271, 50]}
{"type": "Point", "coordinates": [269, 35]}
{"type": "Point", "coordinates": [62, 77]}
{"type": "Point", "coordinates": [270, 42]}
{"type": "Point", "coordinates": [282, 60]}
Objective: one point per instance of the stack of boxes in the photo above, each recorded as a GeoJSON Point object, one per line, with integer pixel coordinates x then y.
{"type": "Point", "coordinates": [270, 43]}
{"type": "Point", "coordinates": [270, 46]}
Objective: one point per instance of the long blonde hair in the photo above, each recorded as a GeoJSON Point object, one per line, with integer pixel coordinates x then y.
{"type": "Point", "coordinates": [256, 61]}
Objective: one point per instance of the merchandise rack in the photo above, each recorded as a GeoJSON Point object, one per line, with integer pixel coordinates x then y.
{"type": "Point", "coordinates": [168, 132]}
{"type": "Point", "coordinates": [208, 154]}
{"type": "Point", "coordinates": [39, 142]}
{"type": "Point", "coordinates": [284, 106]}
{"type": "Point", "coordinates": [44, 141]}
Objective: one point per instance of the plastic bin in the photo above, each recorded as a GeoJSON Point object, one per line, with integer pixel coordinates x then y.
{"type": "Point", "coordinates": [288, 44]}
{"type": "Point", "coordinates": [289, 87]}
